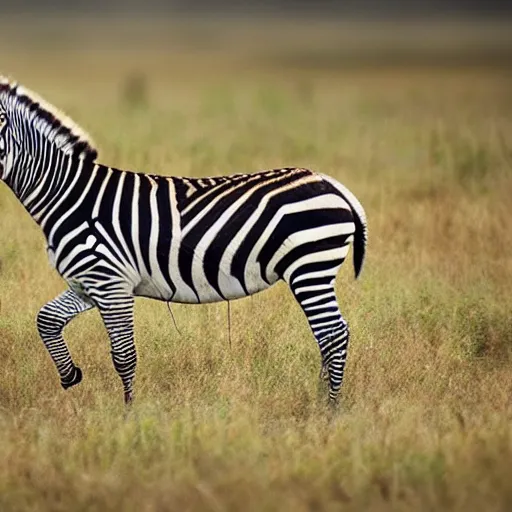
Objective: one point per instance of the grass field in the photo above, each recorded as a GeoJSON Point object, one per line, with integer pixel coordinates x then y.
{"type": "Point", "coordinates": [425, 421]}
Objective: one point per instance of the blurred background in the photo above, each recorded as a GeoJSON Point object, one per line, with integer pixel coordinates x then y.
{"type": "Point", "coordinates": [286, 33]}
{"type": "Point", "coordinates": [138, 46]}
{"type": "Point", "coordinates": [359, 8]}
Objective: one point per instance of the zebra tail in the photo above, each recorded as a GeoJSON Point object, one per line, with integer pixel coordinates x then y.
{"type": "Point", "coordinates": [361, 225]}
{"type": "Point", "coordinates": [360, 240]}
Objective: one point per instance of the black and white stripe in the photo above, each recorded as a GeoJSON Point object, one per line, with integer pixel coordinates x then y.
{"type": "Point", "coordinates": [113, 235]}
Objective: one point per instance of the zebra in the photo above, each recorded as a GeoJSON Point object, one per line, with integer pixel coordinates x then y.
{"type": "Point", "coordinates": [114, 235]}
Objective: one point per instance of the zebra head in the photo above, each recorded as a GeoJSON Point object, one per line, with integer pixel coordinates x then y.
{"type": "Point", "coordinates": [30, 127]}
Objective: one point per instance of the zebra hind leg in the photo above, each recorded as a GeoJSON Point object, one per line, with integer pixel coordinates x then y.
{"type": "Point", "coordinates": [317, 299]}
{"type": "Point", "coordinates": [51, 320]}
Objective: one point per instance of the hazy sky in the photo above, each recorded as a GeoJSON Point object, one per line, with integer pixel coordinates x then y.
{"type": "Point", "coordinates": [389, 8]}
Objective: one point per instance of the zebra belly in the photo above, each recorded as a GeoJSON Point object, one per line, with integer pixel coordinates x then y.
{"type": "Point", "coordinates": [229, 288]}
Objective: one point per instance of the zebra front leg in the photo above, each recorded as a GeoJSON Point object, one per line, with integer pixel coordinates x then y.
{"type": "Point", "coordinates": [117, 314]}
{"type": "Point", "coordinates": [51, 320]}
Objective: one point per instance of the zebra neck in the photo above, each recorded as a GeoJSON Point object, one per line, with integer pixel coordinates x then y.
{"type": "Point", "coordinates": [40, 185]}
{"type": "Point", "coordinates": [32, 174]}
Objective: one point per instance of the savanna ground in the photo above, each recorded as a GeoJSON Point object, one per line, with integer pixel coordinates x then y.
{"type": "Point", "coordinates": [425, 421]}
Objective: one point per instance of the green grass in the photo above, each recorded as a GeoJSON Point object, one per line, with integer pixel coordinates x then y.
{"type": "Point", "coordinates": [425, 421]}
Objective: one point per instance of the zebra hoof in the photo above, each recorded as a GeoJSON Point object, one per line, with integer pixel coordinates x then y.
{"type": "Point", "coordinates": [128, 397]}
{"type": "Point", "coordinates": [74, 379]}
{"type": "Point", "coordinates": [333, 408]}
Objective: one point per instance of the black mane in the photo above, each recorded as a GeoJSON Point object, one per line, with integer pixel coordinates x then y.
{"type": "Point", "coordinates": [62, 128]}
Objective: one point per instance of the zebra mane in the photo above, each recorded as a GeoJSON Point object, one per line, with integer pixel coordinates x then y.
{"type": "Point", "coordinates": [47, 119]}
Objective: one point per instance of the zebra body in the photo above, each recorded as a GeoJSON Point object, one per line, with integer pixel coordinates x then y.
{"type": "Point", "coordinates": [181, 256]}
{"type": "Point", "coordinates": [113, 235]}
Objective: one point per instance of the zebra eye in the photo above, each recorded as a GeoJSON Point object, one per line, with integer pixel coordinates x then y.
{"type": "Point", "coordinates": [3, 120]}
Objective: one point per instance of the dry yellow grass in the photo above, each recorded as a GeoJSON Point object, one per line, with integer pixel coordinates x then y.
{"type": "Point", "coordinates": [426, 416]}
